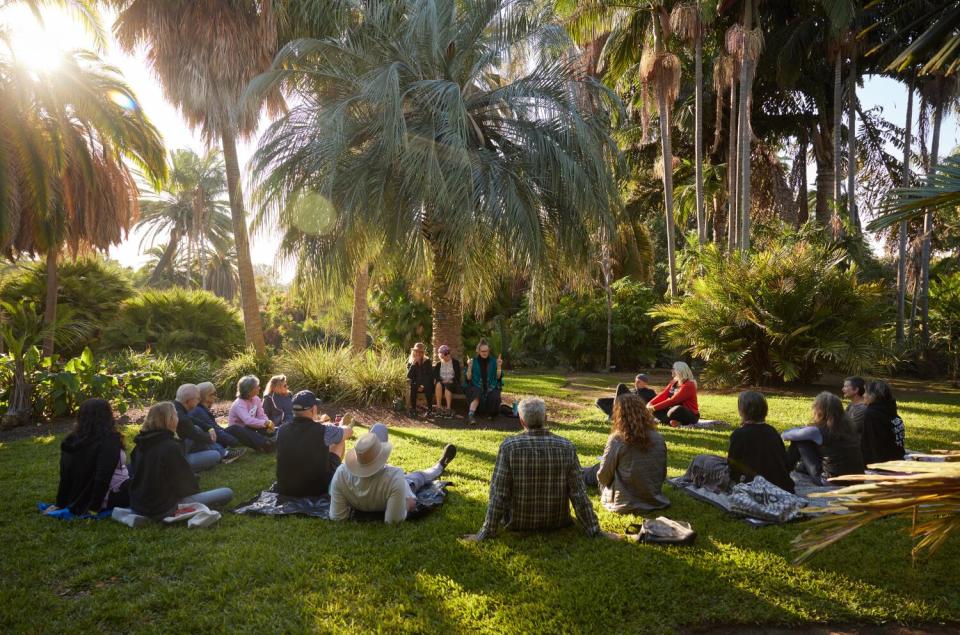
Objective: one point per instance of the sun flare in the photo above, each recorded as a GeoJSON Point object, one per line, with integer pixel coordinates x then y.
{"type": "Point", "coordinates": [40, 45]}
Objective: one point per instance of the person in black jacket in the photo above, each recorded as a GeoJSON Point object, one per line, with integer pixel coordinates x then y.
{"type": "Point", "coordinates": [309, 452]}
{"type": "Point", "coordinates": [447, 376]}
{"type": "Point", "coordinates": [93, 475]}
{"type": "Point", "coordinates": [199, 446]}
{"type": "Point", "coordinates": [420, 378]}
{"type": "Point", "coordinates": [883, 432]}
{"type": "Point", "coordinates": [641, 388]}
{"type": "Point", "coordinates": [756, 448]}
{"type": "Point", "coordinates": [162, 478]}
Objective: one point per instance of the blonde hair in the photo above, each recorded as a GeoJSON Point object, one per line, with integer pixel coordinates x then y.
{"type": "Point", "coordinates": [419, 346]}
{"type": "Point", "coordinates": [158, 416]}
{"type": "Point", "coordinates": [275, 381]}
{"type": "Point", "coordinates": [683, 372]}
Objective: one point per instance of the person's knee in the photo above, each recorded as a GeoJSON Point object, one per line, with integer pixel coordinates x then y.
{"type": "Point", "coordinates": [673, 410]}
{"type": "Point", "coordinates": [380, 430]}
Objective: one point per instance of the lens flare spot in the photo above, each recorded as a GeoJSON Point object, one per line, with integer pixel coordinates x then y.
{"type": "Point", "coordinates": [313, 214]}
{"type": "Point", "coordinates": [123, 100]}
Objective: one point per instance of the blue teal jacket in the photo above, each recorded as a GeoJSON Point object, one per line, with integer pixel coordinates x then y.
{"type": "Point", "coordinates": [476, 380]}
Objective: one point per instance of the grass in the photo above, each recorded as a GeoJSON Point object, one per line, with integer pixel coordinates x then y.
{"type": "Point", "coordinates": [294, 574]}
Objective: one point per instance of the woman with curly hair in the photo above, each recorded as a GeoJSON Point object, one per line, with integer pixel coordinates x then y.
{"type": "Point", "coordinates": [633, 467]}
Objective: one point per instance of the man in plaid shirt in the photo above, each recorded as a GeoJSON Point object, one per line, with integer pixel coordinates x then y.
{"type": "Point", "coordinates": [536, 476]}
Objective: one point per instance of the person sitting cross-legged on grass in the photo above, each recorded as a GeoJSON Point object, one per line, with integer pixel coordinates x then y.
{"type": "Point", "coordinates": [641, 388]}
{"type": "Point", "coordinates": [419, 379]}
{"type": "Point", "coordinates": [677, 403]}
{"type": "Point", "coordinates": [633, 467]}
{"type": "Point", "coordinates": [756, 448]}
{"type": "Point", "coordinates": [829, 446]}
{"type": "Point", "coordinates": [484, 383]}
{"type": "Point", "coordinates": [199, 446]}
{"type": "Point", "coordinates": [309, 452]}
{"type": "Point", "coordinates": [447, 376]}
{"type": "Point", "coordinates": [162, 478]}
{"type": "Point", "coordinates": [203, 417]}
{"type": "Point", "coordinates": [246, 412]}
{"type": "Point", "coordinates": [536, 477]}
{"type": "Point", "coordinates": [883, 430]}
{"type": "Point", "coordinates": [365, 483]}
{"type": "Point", "coordinates": [93, 475]}
{"type": "Point", "coordinates": [277, 401]}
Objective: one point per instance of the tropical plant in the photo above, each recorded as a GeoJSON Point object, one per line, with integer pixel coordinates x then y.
{"type": "Point", "coordinates": [173, 321]}
{"type": "Point", "coordinates": [336, 374]}
{"type": "Point", "coordinates": [247, 362]}
{"type": "Point", "coordinates": [462, 168]}
{"type": "Point", "coordinates": [166, 372]}
{"type": "Point", "coordinates": [398, 316]}
{"type": "Point", "coordinates": [945, 318]}
{"type": "Point", "coordinates": [784, 314]}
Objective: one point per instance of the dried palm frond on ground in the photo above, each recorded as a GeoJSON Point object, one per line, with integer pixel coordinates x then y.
{"type": "Point", "coordinates": [926, 492]}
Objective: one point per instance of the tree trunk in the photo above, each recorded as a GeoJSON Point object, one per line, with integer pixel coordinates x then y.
{"type": "Point", "coordinates": [698, 139]}
{"type": "Point", "coordinates": [825, 181]}
{"type": "Point", "coordinates": [733, 201]}
{"type": "Point", "coordinates": [803, 204]}
{"type": "Point", "coordinates": [358, 324]}
{"type": "Point", "coordinates": [667, 153]}
{"type": "Point", "coordinates": [50, 304]}
{"type": "Point", "coordinates": [902, 241]}
{"type": "Point", "coordinates": [743, 145]}
{"type": "Point", "coordinates": [445, 304]}
{"type": "Point", "coordinates": [852, 147]}
{"type": "Point", "coordinates": [717, 225]}
{"type": "Point", "coordinates": [913, 301]}
{"type": "Point", "coordinates": [607, 282]}
{"type": "Point", "coordinates": [248, 289]}
{"type": "Point", "coordinates": [837, 110]}
{"type": "Point", "coordinates": [928, 230]}
{"type": "Point", "coordinates": [166, 259]}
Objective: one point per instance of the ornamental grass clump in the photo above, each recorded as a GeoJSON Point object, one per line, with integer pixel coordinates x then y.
{"type": "Point", "coordinates": [785, 314]}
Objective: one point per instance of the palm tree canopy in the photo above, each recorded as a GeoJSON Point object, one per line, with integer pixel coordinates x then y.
{"type": "Point", "coordinates": [940, 193]}
{"type": "Point", "coordinates": [407, 124]}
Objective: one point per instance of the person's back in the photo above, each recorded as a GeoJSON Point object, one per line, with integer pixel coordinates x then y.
{"type": "Point", "coordinates": [635, 486]}
{"type": "Point", "coordinates": [161, 474]}
{"type": "Point", "coordinates": [386, 491]}
{"type": "Point", "coordinates": [86, 467]}
{"type": "Point", "coordinates": [857, 412]}
{"type": "Point", "coordinates": [880, 440]}
{"type": "Point", "coordinates": [304, 466]}
{"type": "Point", "coordinates": [840, 451]}
{"type": "Point", "coordinates": [756, 449]}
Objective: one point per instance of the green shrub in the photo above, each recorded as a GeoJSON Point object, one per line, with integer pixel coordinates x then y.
{"type": "Point", "coordinates": [575, 333]}
{"type": "Point", "coordinates": [244, 363]}
{"type": "Point", "coordinates": [945, 318]}
{"type": "Point", "coordinates": [336, 374]}
{"type": "Point", "coordinates": [90, 288]}
{"type": "Point", "coordinates": [170, 371]}
{"type": "Point", "coordinates": [397, 318]}
{"type": "Point", "coordinates": [375, 377]}
{"type": "Point", "coordinates": [785, 314]}
{"type": "Point", "coordinates": [176, 321]}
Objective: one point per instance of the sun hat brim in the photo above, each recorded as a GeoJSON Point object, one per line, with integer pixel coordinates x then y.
{"type": "Point", "coordinates": [368, 469]}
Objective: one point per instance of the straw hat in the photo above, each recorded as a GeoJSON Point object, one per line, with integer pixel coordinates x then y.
{"type": "Point", "coordinates": [368, 456]}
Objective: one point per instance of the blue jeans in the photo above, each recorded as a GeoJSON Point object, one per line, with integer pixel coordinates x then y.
{"type": "Point", "coordinates": [226, 439]}
{"type": "Point", "coordinates": [203, 460]}
{"type": "Point", "coordinates": [248, 437]}
{"type": "Point", "coordinates": [211, 498]}
{"type": "Point", "coordinates": [416, 480]}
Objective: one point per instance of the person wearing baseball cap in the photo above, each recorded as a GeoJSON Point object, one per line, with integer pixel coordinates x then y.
{"type": "Point", "coordinates": [641, 388]}
{"type": "Point", "coordinates": [308, 452]}
{"type": "Point", "coordinates": [447, 377]}
{"type": "Point", "coordinates": [364, 482]}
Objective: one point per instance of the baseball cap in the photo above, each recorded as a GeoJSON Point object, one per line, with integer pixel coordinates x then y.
{"type": "Point", "coordinates": [304, 400]}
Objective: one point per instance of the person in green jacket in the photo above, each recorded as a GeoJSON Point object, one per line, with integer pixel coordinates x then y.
{"type": "Point", "coordinates": [484, 381]}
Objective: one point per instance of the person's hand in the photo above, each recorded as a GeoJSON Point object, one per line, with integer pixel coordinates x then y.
{"type": "Point", "coordinates": [347, 432]}
{"type": "Point", "coordinates": [270, 427]}
{"type": "Point", "coordinates": [347, 421]}
{"type": "Point", "coordinates": [612, 535]}
{"type": "Point", "coordinates": [469, 368]}
{"type": "Point", "coordinates": [471, 537]}
{"type": "Point", "coordinates": [213, 435]}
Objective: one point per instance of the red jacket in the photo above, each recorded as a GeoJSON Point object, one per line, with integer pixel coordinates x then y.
{"type": "Point", "coordinates": [686, 396]}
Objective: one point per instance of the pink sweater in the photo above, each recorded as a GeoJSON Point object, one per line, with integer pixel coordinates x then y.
{"type": "Point", "coordinates": [247, 412]}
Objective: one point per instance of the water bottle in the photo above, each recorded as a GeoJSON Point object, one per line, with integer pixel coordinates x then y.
{"type": "Point", "coordinates": [515, 413]}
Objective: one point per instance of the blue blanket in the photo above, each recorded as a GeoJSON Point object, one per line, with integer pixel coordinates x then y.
{"type": "Point", "coordinates": [66, 514]}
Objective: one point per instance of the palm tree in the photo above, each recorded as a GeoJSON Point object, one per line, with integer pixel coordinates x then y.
{"type": "Point", "coordinates": [460, 167]}
{"type": "Point", "coordinates": [191, 208]}
{"type": "Point", "coordinates": [905, 181]}
{"type": "Point", "coordinates": [65, 183]}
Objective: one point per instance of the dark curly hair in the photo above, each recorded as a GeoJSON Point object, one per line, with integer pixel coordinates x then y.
{"type": "Point", "coordinates": [95, 420]}
{"type": "Point", "coordinates": [632, 419]}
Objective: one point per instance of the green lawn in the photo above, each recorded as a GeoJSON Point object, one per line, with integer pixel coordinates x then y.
{"type": "Point", "coordinates": [293, 574]}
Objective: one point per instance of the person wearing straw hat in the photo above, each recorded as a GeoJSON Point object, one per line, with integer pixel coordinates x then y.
{"type": "Point", "coordinates": [364, 482]}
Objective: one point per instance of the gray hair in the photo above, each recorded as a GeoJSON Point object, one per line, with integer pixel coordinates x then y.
{"type": "Point", "coordinates": [186, 392]}
{"type": "Point", "coordinates": [246, 384]}
{"type": "Point", "coordinates": [206, 388]}
{"type": "Point", "coordinates": [533, 412]}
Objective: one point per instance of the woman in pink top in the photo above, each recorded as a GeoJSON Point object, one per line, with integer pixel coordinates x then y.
{"type": "Point", "coordinates": [247, 410]}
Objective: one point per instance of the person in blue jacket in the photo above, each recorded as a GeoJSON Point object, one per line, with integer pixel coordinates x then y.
{"type": "Point", "coordinates": [484, 381]}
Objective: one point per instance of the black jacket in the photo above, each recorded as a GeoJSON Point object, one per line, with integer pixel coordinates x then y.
{"type": "Point", "coordinates": [86, 466]}
{"type": "Point", "coordinates": [420, 374]}
{"type": "Point", "coordinates": [457, 372]}
{"type": "Point", "coordinates": [756, 449]}
{"type": "Point", "coordinates": [882, 437]}
{"type": "Point", "coordinates": [161, 475]}
{"type": "Point", "coordinates": [304, 466]}
{"type": "Point", "coordinates": [188, 428]}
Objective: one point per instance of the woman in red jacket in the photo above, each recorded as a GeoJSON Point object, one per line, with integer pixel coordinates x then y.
{"type": "Point", "coordinates": [677, 404]}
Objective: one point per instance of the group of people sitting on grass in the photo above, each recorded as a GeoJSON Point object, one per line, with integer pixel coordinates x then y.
{"type": "Point", "coordinates": [480, 383]}
{"type": "Point", "coordinates": [536, 477]}
{"type": "Point", "coordinates": [675, 405]}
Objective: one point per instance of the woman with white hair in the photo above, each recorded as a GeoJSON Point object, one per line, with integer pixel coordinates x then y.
{"type": "Point", "coordinates": [677, 404]}
{"type": "Point", "coordinates": [247, 413]}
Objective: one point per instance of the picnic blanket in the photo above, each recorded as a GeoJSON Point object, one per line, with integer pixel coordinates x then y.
{"type": "Point", "coordinates": [270, 503]}
{"type": "Point", "coordinates": [708, 424]}
{"type": "Point", "coordinates": [193, 514]}
{"type": "Point", "coordinates": [66, 514]}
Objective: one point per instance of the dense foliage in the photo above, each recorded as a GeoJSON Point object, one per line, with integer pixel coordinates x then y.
{"type": "Point", "coordinates": [784, 314]}
{"type": "Point", "coordinates": [247, 362]}
{"type": "Point", "coordinates": [176, 321]}
{"type": "Point", "coordinates": [575, 334]}
{"type": "Point", "coordinates": [335, 374]}
{"type": "Point", "coordinates": [945, 314]}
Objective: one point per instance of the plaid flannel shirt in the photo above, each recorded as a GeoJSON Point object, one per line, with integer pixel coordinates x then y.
{"type": "Point", "coordinates": [536, 476]}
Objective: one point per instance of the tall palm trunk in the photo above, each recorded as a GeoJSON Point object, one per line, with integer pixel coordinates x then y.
{"type": "Point", "coordinates": [698, 137]}
{"type": "Point", "coordinates": [852, 146]}
{"type": "Point", "coordinates": [837, 110]}
{"type": "Point", "coordinates": [667, 153]}
{"type": "Point", "coordinates": [166, 258]}
{"type": "Point", "coordinates": [902, 242]}
{"type": "Point", "coordinates": [733, 201]}
{"type": "Point", "coordinates": [803, 202]}
{"type": "Point", "coordinates": [608, 291]}
{"type": "Point", "coordinates": [447, 317]}
{"type": "Point", "coordinates": [928, 229]}
{"type": "Point", "coordinates": [744, 132]}
{"type": "Point", "coordinates": [50, 305]}
{"type": "Point", "coordinates": [358, 324]}
{"type": "Point", "coordinates": [248, 289]}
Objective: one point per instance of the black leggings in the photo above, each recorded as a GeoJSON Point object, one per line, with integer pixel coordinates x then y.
{"type": "Point", "coordinates": [427, 392]}
{"type": "Point", "coordinates": [804, 456]}
{"type": "Point", "coordinates": [683, 415]}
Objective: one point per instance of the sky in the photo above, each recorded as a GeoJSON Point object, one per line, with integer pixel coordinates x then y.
{"type": "Point", "coordinates": [40, 45]}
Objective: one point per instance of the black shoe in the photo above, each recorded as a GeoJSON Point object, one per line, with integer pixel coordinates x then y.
{"type": "Point", "coordinates": [232, 455]}
{"type": "Point", "coordinates": [448, 453]}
